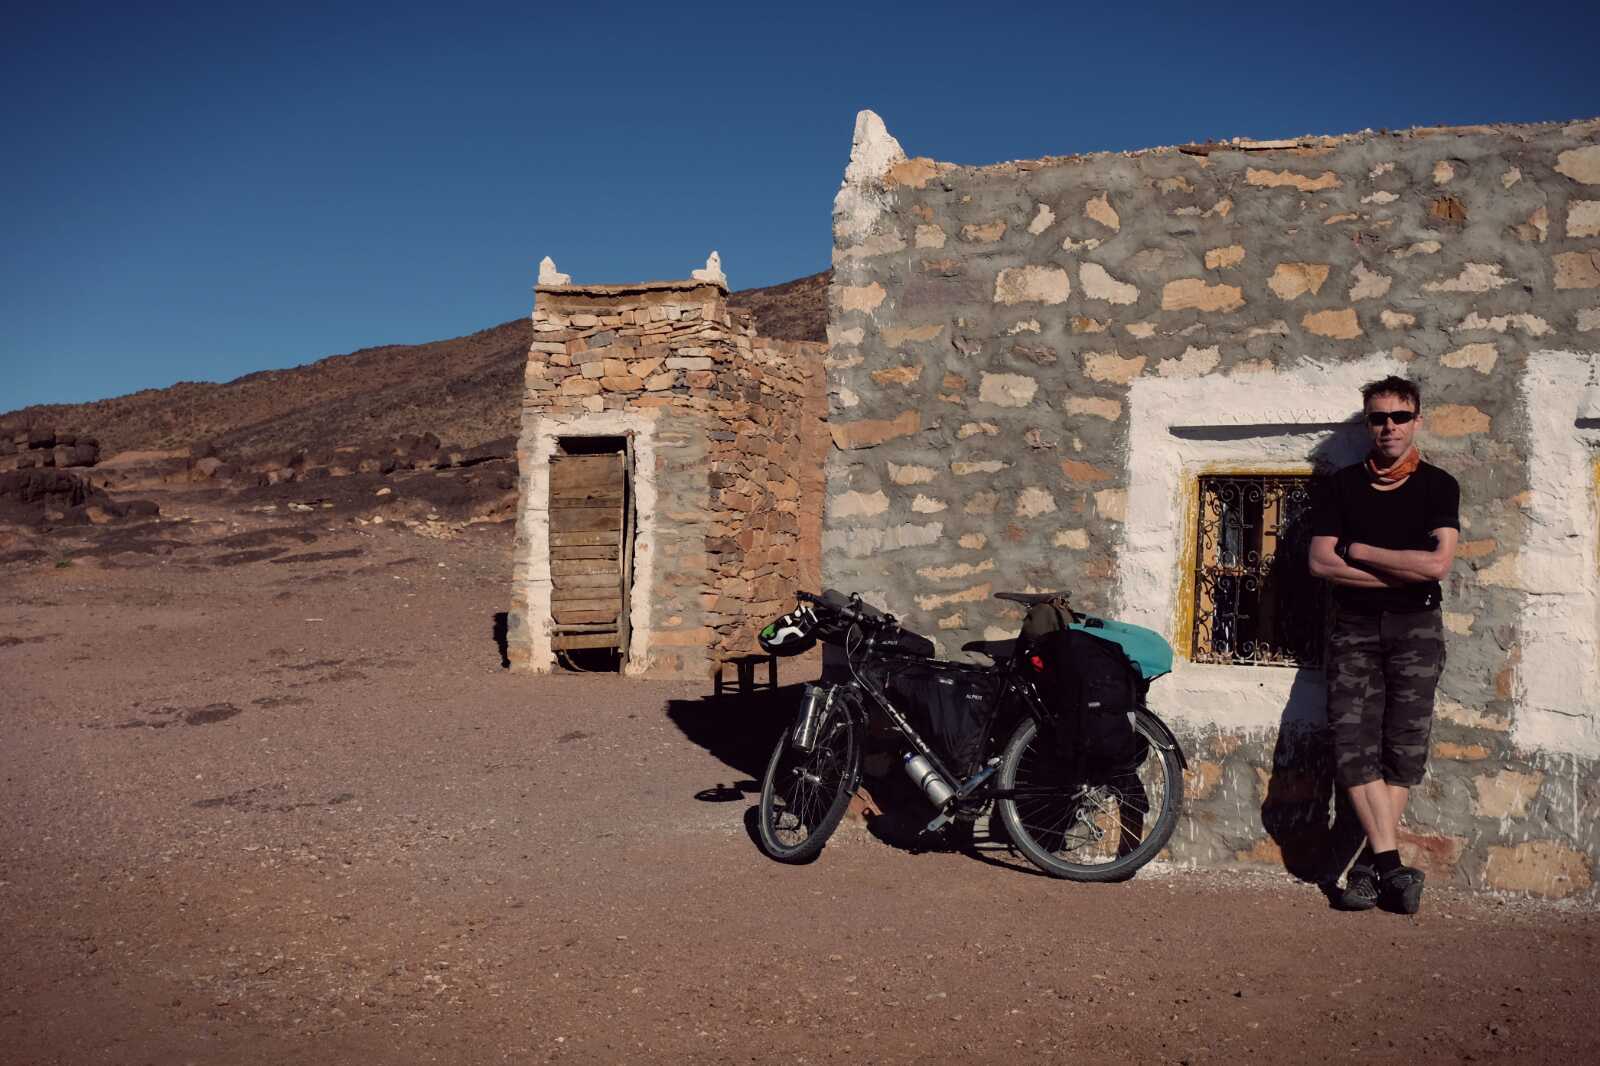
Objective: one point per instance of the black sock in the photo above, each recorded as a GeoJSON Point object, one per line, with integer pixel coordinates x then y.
{"type": "Point", "coordinates": [1387, 862]}
{"type": "Point", "coordinates": [1365, 857]}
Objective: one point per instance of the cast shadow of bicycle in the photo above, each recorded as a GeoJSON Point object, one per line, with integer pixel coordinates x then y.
{"type": "Point", "coordinates": [741, 730]}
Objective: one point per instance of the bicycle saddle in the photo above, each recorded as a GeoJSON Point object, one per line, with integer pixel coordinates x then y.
{"type": "Point", "coordinates": [994, 649]}
{"type": "Point", "coordinates": [1028, 599]}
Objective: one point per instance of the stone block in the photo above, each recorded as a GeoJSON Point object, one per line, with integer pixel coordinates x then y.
{"type": "Point", "coordinates": [1506, 793]}
{"type": "Point", "coordinates": [1546, 868]}
{"type": "Point", "coordinates": [1277, 179]}
{"type": "Point", "coordinates": [1456, 420]}
{"type": "Point", "coordinates": [1580, 164]}
{"type": "Point", "coordinates": [1007, 390]}
{"type": "Point", "coordinates": [1479, 357]}
{"type": "Point", "coordinates": [868, 433]}
{"type": "Point", "coordinates": [865, 298]}
{"type": "Point", "coordinates": [1291, 280]}
{"type": "Point", "coordinates": [1098, 284]}
{"type": "Point", "coordinates": [1223, 258]}
{"type": "Point", "coordinates": [1032, 284]}
{"type": "Point", "coordinates": [1435, 854]}
{"type": "Point", "coordinates": [1578, 270]}
{"type": "Point", "coordinates": [1195, 294]}
{"type": "Point", "coordinates": [1338, 324]}
{"type": "Point", "coordinates": [1096, 406]}
{"type": "Point", "coordinates": [1099, 209]}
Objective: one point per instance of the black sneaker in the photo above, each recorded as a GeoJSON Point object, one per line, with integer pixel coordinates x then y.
{"type": "Point", "coordinates": [1400, 891]}
{"type": "Point", "coordinates": [1360, 890]}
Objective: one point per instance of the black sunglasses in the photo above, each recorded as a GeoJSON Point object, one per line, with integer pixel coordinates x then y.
{"type": "Point", "coordinates": [1376, 419]}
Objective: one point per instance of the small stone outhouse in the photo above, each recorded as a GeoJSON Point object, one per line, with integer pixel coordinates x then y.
{"type": "Point", "coordinates": [671, 468]}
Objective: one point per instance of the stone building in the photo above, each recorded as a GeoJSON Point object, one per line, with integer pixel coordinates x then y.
{"type": "Point", "coordinates": [670, 476]}
{"type": "Point", "coordinates": [1114, 374]}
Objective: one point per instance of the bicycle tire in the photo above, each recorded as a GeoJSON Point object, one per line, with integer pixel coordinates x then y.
{"type": "Point", "coordinates": [1104, 824]}
{"type": "Point", "coordinates": [804, 794]}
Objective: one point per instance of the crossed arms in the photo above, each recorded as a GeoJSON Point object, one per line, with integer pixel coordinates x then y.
{"type": "Point", "coordinates": [1366, 567]}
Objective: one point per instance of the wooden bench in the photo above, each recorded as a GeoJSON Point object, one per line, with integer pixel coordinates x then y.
{"type": "Point", "coordinates": [745, 672]}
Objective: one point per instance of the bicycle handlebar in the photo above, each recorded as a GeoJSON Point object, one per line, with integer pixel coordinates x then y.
{"type": "Point", "coordinates": [851, 609]}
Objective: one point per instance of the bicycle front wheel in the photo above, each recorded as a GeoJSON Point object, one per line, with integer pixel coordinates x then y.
{"type": "Point", "coordinates": [1089, 832]}
{"type": "Point", "coordinates": [804, 794]}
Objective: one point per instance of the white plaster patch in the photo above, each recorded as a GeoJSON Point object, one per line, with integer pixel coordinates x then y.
{"type": "Point", "coordinates": [1558, 682]}
{"type": "Point", "coordinates": [537, 445]}
{"type": "Point", "coordinates": [1179, 427]}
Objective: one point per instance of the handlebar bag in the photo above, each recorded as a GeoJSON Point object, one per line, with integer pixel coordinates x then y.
{"type": "Point", "coordinates": [1091, 689]}
{"type": "Point", "coordinates": [950, 707]}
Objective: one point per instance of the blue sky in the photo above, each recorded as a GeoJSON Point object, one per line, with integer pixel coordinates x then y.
{"type": "Point", "coordinates": [199, 191]}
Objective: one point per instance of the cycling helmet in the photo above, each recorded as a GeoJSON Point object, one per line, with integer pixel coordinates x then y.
{"type": "Point", "coordinates": [790, 635]}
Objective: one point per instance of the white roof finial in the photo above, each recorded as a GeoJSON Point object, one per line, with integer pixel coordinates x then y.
{"type": "Point", "coordinates": [549, 275]}
{"type": "Point", "coordinates": [713, 271]}
{"type": "Point", "coordinates": [873, 150]}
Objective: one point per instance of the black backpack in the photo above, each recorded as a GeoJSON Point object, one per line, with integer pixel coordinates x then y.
{"type": "Point", "coordinates": [1091, 690]}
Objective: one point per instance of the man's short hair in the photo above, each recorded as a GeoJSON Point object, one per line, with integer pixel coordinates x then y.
{"type": "Point", "coordinates": [1392, 386]}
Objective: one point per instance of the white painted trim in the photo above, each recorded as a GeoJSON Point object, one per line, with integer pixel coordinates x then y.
{"type": "Point", "coordinates": [1558, 682]}
{"type": "Point", "coordinates": [542, 435]}
{"type": "Point", "coordinates": [1179, 427]}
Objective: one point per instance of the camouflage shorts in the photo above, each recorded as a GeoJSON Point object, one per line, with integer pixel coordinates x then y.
{"type": "Point", "coordinates": [1382, 672]}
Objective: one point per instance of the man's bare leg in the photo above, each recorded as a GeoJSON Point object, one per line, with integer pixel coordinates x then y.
{"type": "Point", "coordinates": [1398, 794]}
{"type": "Point", "coordinates": [1375, 810]}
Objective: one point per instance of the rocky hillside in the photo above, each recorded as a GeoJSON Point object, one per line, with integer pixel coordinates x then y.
{"type": "Point", "coordinates": [463, 390]}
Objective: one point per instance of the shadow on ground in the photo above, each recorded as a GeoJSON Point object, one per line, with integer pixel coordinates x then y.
{"type": "Point", "coordinates": [741, 729]}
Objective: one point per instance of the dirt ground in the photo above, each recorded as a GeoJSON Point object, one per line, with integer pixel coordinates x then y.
{"type": "Point", "coordinates": [269, 796]}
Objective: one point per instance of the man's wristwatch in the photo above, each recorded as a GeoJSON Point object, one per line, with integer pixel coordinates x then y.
{"type": "Point", "coordinates": [1341, 548]}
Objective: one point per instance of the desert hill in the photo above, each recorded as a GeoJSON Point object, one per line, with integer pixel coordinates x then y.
{"type": "Point", "coordinates": [463, 390]}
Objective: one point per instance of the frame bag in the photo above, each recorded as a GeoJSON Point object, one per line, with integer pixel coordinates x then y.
{"type": "Point", "coordinates": [952, 709]}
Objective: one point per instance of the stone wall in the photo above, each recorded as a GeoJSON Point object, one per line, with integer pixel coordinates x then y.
{"type": "Point", "coordinates": [1031, 364]}
{"type": "Point", "coordinates": [727, 436]}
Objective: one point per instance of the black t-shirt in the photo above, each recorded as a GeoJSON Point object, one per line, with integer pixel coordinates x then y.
{"type": "Point", "coordinates": [1402, 519]}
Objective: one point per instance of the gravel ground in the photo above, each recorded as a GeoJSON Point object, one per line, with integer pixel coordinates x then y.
{"type": "Point", "coordinates": [269, 796]}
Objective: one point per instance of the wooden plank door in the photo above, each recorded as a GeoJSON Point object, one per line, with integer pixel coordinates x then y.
{"type": "Point", "coordinates": [588, 494]}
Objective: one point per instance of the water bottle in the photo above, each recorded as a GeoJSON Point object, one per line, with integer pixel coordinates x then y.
{"type": "Point", "coordinates": [813, 708]}
{"type": "Point", "coordinates": [927, 778]}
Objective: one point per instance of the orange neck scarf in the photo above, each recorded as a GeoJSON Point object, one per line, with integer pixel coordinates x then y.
{"type": "Point", "coordinates": [1397, 471]}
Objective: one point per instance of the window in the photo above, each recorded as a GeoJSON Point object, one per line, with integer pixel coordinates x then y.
{"type": "Point", "coordinates": [1255, 602]}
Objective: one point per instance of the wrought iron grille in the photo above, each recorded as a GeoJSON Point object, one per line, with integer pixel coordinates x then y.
{"type": "Point", "coordinates": [1255, 602]}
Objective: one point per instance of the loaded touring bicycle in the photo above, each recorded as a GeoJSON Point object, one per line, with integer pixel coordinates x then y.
{"type": "Point", "coordinates": [1054, 734]}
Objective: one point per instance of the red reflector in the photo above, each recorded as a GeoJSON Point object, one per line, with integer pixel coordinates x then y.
{"type": "Point", "coordinates": [1038, 663]}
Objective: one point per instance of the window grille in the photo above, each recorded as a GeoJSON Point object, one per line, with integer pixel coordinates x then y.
{"type": "Point", "coordinates": [1255, 602]}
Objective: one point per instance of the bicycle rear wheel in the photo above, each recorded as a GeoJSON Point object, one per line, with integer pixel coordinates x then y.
{"type": "Point", "coordinates": [1099, 832]}
{"type": "Point", "coordinates": [804, 794]}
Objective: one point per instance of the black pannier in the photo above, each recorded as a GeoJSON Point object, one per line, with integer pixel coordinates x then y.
{"type": "Point", "coordinates": [951, 708]}
{"type": "Point", "coordinates": [1091, 690]}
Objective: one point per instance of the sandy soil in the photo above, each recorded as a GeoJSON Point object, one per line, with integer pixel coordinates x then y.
{"type": "Point", "coordinates": [269, 796]}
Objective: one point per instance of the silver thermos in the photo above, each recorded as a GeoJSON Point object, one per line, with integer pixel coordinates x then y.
{"type": "Point", "coordinates": [927, 778]}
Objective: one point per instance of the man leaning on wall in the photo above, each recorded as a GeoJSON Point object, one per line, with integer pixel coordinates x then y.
{"type": "Point", "coordinates": [1384, 534]}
